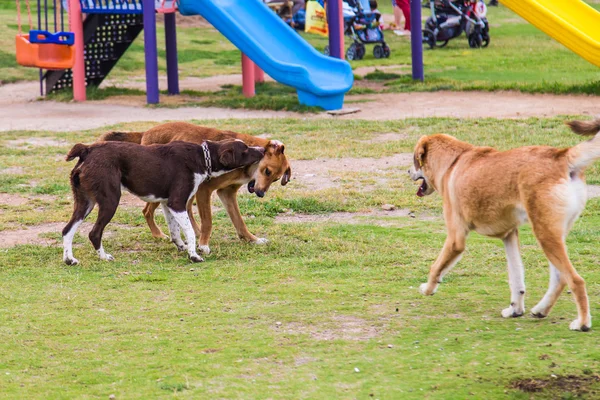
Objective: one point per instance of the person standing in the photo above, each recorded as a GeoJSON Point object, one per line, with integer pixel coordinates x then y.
{"type": "Point", "coordinates": [404, 7]}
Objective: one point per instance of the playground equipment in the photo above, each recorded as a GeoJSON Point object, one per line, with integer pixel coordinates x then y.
{"type": "Point", "coordinates": [109, 29]}
{"type": "Point", "coordinates": [572, 23]}
{"type": "Point", "coordinates": [42, 48]}
{"type": "Point", "coordinates": [111, 26]}
{"type": "Point", "coordinates": [285, 56]}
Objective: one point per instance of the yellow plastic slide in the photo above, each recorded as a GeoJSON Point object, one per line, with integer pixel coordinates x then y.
{"type": "Point", "coordinates": [571, 22]}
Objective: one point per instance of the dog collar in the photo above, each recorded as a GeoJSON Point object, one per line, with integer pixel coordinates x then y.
{"type": "Point", "coordinates": [207, 159]}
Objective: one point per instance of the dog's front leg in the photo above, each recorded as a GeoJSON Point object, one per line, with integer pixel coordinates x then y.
{"type": "Point", "coordinates": [173, 228]}
{"type": "Point", "coordinates": [181, 217]}
{"type": "Point", "coordinates": [516, 276]}
{"type": "Point", "coordinates": [449, 256]}
{"type": "Point", "coordinates": [203, 231]}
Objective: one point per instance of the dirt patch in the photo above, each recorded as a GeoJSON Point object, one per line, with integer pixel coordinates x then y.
{"type": "Point", "coordinates": [472, 105]}
{"type": "Point", "coordinates": [12, 171]}
{"type": "Point", "coordinates": [208, 84]}
{"type": "Point", "coordinates": [572, 384]}
{"type": "Point", "coordinates": [362, 71]}
{"type": "Point", "coordinates": [36, 142]}
{"type": "Point", "coordinates": [375, 217]}
{"type": "Point", "coordinates": [13, 199]}
{"type": "Point", "coordinates": [187, 21]}
{"type": "Point", "coordinates": [56, 116]}
{"type": "Point", "coordinates": [593, 191]}
{"type": "Point", "coordinates": [316, 173]}
{"type": "Point", "coordinates": [32, 234]}
{"type": "Point", "coordinates": [387, 137]}
{"type": "Point", "coordinates": [341, 327]}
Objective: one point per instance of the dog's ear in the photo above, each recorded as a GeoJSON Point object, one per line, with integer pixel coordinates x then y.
{"type": "Point", "coordinates": [277, 147]}
{"type": "Point", "coordinates": [286, 176]}
{"type": "Point", "coordinates": [228, 157]}
{"type": "Point", "coordinates": [420, 152]}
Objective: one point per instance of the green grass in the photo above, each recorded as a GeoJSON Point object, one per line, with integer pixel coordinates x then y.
{"type": "Point", "coordinates": [295, 318]}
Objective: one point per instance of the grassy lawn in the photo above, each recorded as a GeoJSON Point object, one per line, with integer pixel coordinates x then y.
{"type": "Point", "coordinates": [325, 310]}
{"type": "Point", "coordinates": [520, 57]}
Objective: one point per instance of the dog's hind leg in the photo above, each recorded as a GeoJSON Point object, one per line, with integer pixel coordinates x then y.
{"type": "Point", "coordinates": [550, 235]}
{"type": "Point", "coordinates": [107, 206]}
{"type": "Point", "coordinates": [449, 256]}
{"type": "Point", "coordinates": [82, 209]}
{"type": "Point", "coordinates": [516, 276]}
{"type": "Point", "coordinates": [149, 210]}
{"type": "Point", "coordinates": [182, 219]}
{"type": "Point", "coordinates": [174, 230]}
{"type": "Point", "coordinates": [555, 288]}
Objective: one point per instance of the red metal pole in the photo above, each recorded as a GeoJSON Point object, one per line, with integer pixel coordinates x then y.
{"type": "Point", "coordinates": [76, 26]}
{"type": "Point", "coordinates": [247, 76]}
{"type": "Point", "coordinates": [259, 74]}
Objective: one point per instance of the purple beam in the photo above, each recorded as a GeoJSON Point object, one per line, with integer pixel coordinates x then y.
{"type": "Point", "coordinates": [150, 52]}
{"type": "Point", "coordinates": [416, 40]}
{"type": "Point", "coordinates": [171, 47]}
{"type": "Point", "coordinates": [336, 28]}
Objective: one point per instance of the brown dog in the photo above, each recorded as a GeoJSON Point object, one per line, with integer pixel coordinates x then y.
{"type": "Point", "coordinates": [166, 174]}
{"type": "Point", "coordinates": [493, 192]}
{"type": "Point", "coordinates": [259, 177]}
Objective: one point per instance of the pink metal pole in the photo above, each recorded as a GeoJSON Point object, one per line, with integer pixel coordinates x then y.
{"type": "Point", "coordinates": [247, 76]}
{"type": "Point", "coordinates": [76, 26]}
{"type": "Point", "coordinates": [259, 74]}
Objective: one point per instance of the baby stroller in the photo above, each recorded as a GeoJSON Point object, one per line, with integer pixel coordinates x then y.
{"type": "Point", "coordinates": [362, 26]}
{"type": "Point", "coordinates": [450, 18]}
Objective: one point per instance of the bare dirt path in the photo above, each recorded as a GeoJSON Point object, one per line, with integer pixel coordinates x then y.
{"type": "Point", "coordinates": [16, 112]}
{"type": "Point", "coordinates": [470, 105]}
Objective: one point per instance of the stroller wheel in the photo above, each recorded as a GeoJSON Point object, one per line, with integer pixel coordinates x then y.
{"type": "Point", "coordinates": [386, 51]}
{"type": "Point", "coordinates": [475, 40]}
{"type": "Point", "coordinates": [360, 51]}
{"type": "Point", "coordinates": [428, 38]}
{"type": "Point", "coordinates": [351, 53]}
{"type": "Point", "coordinates": [486, 40]}
{"type": "Point", "coordinates": [326, 50]}
{"type": "Point", "coordinates": [378, 51]}
{"type": "Point", "coordinates": [443, 44]}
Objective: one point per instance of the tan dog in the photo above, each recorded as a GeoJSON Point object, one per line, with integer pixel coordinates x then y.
{"type": "Point", "coordinates": [259, 177]}
{"type": "Point", "coordinates": [493, 192]}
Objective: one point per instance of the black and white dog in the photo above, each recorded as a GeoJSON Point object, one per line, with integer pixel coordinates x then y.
{"type": "Point", "coordinates": [168, 174]}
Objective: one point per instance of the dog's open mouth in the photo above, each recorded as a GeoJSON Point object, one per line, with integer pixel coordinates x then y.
{"type": "Point", "coordinates": [251, 186]}
{"type": "Point", "coordinates": [423, 188]}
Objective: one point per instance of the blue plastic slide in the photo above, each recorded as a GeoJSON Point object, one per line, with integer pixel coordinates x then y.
{"type": "Point", "coordinates": [276, 48]}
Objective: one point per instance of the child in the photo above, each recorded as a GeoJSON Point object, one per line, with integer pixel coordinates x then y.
{"type": "Point", "coordinates": [374, 10]}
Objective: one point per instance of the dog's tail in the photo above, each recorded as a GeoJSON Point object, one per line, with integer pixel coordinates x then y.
{"type": "Point", "coordinates": [133, 137]}
{"type": "Point", "coordinates": [583, 154]}
{"type": "Point", "coordinates": [78, 151]}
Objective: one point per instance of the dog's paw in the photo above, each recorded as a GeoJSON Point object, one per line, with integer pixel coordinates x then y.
{"type": "Point", "coordinates": [261, 241]}
{"type": "Point", "coordinates": [426, 290]}
{"type": "Point", "coordinates": [196, 258]}
{"type": "Point", "coordinates": [204, 249]}
{"type": "Point", "coordinates": [539, 311]}
{"type": "Point", "coordinates": [107, 257]}
{"type": "Point", "coordinates": [511, 312]}
{"type": "Point", "coordinates": [578, 325]}
{"type": "Point", "coordinates": [71, 261]}
{"type": "Point", "coordinates": [180, 246]}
